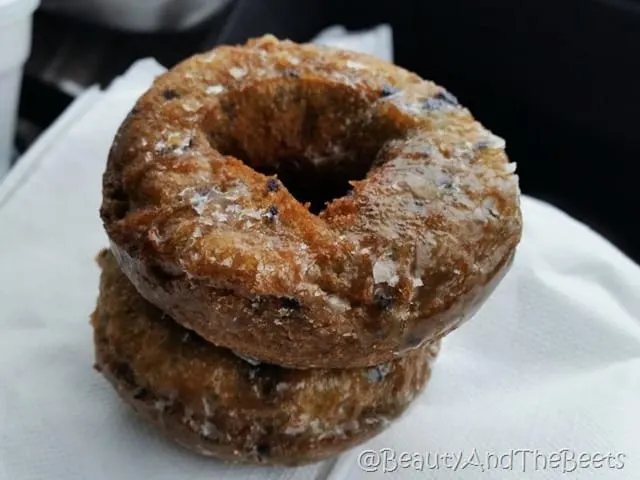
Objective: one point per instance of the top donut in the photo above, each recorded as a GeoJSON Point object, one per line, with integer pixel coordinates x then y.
{"type": "Point", "coordinates": [309, 207]}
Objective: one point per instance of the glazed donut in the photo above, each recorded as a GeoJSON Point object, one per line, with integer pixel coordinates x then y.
{"type": "Point", "coordinates": [309, 207]}
{"type": "Point", "coordinates": [214, 403]}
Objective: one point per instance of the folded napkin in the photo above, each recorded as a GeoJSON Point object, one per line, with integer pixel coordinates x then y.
{"type": "Point", "coordinates": [545, 373]}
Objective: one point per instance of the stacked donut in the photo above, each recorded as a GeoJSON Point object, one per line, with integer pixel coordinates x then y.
{"type": "Point", "coordinates": [292, 231]}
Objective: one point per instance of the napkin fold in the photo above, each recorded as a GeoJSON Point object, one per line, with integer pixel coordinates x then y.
{"type": "Point", "coordinates": [549, 365]}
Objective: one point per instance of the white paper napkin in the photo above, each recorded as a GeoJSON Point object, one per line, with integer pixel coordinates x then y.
{"type": "Point", "coordinates": [551, 363]}
{"type": "Point", "coordinates": [377, 41]}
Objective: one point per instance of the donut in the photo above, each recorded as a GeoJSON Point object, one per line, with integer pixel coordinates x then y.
{"type": "Point", "coordinates": [309, 207]}
{"type": "Point", "coordinates": [217, 404]}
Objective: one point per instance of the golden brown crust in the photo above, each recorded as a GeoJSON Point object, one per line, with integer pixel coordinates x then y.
{"type": "Point", "coordinates": [229, 252]}
{"type": "Point", "coordinates": [214, 403]}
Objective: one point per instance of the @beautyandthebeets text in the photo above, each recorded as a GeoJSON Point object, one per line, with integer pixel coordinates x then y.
{"type": "Point", "coordinates": [524, 460]}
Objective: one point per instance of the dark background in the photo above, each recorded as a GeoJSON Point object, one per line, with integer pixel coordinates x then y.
{"type": "Point", "coordinates": [560, 81]}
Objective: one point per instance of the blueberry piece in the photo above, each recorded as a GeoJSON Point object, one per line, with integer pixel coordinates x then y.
{"type": "Point", "coordinates": [388, 90]}
{"type": "Point", "coordinates": [291, 73]}
{"type": "Point", "coordinates": [273, 185]}
{"type": "Point", "coordinates": [377, 374]}
{"type": "Point", "coordinates": [124, 372]}
{"type": "Point", "coordinates": [272, 213]}
{"type": "Point", "coordinates": [444, 181]}
{"type": "Point", "coordinates": [263, 450]}
{"type": "Point", "coordinates": [140, 393]}
{"type": "Point", "coordinates": [170, 94]}
{"type": "Point", "coordinates": [440, 100]}
{"type": "Point", "coordinates": [291, 303]}
{"type": "Point", "coordinates": [432, 104]}
{"type": "Point", "coordinates": [481, 145]}
{"type": "Point", "coordinates": [382, 300]}
{"type": "Point", "coordinates": [447, 97]}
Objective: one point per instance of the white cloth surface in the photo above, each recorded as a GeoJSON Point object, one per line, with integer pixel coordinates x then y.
{"type": "Point", "coordinates": [551, 362]}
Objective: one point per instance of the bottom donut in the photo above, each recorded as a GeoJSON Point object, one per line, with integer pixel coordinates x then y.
{"type": "Point", "coordinates": [215, 403]}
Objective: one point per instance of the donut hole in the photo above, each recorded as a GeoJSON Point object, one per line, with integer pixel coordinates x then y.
{"type": "Point", "coordinates": [315, 136]}
{"type": "Point", "coordinates": [315, 185]}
